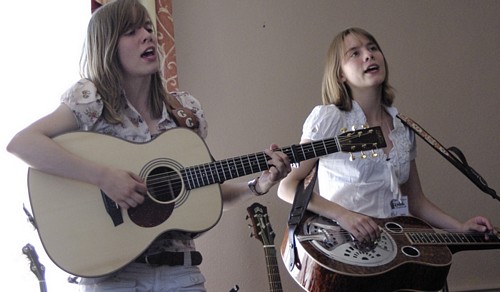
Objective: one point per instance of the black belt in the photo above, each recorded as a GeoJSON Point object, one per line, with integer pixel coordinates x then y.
{"type": "Point", "coordinates": [192, 258]}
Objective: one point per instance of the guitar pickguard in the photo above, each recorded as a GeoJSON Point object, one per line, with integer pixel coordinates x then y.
{"type": "Point", "coordinates": [335, 243]}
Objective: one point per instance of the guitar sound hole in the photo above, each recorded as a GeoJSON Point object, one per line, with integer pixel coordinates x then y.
{"type": "Point", "coordinates": [410, 251]}
{"type": "Point", "coordinates": [164, 184]}
{"type": "Point", "coordinates": [394, 227]}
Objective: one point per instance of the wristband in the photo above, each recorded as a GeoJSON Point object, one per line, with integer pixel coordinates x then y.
{"type": "Point", "coordinates": [252, 184]}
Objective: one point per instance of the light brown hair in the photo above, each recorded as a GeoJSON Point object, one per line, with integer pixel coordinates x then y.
{"type": "Point", "coordinates": [100, 63]}
{"type": "Point", "coordinates": [336, 92]}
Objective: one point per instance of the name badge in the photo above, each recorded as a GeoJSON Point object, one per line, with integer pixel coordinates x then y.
{"type": "Point", "coordinates": [399, 207]}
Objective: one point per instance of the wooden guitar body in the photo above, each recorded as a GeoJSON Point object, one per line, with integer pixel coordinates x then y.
{"type": "Point", "coordinates": [87, 235]}
{"type": "Point", "coordinates": [409, 256]}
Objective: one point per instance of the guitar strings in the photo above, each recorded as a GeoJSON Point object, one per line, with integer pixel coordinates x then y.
{"type": "Point", "coordinates": [199, 174]}
{"type": "Point", "coordinates": [272, 264]}
{"type": "Point", "coordinates": [171, 181]}
{"type": "Point", "coordinates": [430, 231]}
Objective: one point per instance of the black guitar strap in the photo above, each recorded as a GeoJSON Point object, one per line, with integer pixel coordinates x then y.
{"type": "Point", "coordinates": [300, 202]}
{"type": "Point", "coordinates": [453, 155]}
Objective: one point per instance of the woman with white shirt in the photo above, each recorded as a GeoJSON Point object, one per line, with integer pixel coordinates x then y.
{"type": "Point", "coordinates": [356, 92]}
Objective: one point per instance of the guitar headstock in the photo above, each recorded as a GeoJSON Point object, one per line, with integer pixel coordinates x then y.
{"type": "Point", "coordinates": [35, 266]}
{"type": "Point", "coordinates": [362, 140]}
{"type": "Point", "coordinates": [262, 229]}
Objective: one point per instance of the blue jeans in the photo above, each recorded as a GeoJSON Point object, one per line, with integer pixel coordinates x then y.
{"type": "Point", "coordinates": [142, 277]}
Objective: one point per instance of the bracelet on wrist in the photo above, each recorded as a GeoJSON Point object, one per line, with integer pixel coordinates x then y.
{"type": "Point", "coordinates": [252, 184]}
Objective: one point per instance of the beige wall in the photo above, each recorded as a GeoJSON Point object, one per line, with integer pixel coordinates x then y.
{"type": "Point", "coordinates": [256, 66]}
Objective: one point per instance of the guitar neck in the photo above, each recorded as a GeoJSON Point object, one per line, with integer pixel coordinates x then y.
{"type": "Point", "coordinates": [273, 273]}
{"type": "Point", "coordinates": [220, 171]}
{"type": "Point", "coordinates": [43, 286]}
{"type": "Point", "coordinates": [455, 241]}
{"type": "Point", "coordinates": [263, 231]}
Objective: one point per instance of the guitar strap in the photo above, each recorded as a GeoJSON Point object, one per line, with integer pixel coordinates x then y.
{"type": "Point", "coordinates": [453, 155]}
{"type": "Point", "coordinates": [182, 116]}
{"type": "Point", "coordinates": [299, 206]}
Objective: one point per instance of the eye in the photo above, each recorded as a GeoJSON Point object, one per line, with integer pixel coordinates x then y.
{"type": "Point", "coordinates": [354, 53]}
{"type": "Point", "coordinates": [130, 32]}
{"type": "Point", "coordinates": [373, 48]}
{"type": "Point", "coordinates": [148, 26]}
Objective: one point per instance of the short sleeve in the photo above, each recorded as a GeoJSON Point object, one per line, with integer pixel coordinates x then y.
{"type": "Point", "coordinates": [84, 101]}
{"type": "Point", "coordinates": [323, 122]}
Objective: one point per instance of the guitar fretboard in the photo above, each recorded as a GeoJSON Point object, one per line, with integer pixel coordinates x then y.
{"type": "Point", "coordinates": [273, 273]}
{"type": "Point", "coordinates": [220, 171]}
{"type": "Point", "coordinates": [450, 238]}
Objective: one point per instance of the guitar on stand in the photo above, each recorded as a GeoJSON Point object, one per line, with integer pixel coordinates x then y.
{"type": "Point", "coordinates": [35, 266]}
{"type": "Point", "coordinates": [262, 230]}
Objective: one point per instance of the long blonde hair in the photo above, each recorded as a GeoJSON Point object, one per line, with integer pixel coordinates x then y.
{"type": "Point", "coordinates": [336, 92]}
{"type": "Point", "coordinates": [101, 65]}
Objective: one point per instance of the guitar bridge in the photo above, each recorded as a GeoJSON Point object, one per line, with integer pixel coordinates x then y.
{"type": "Point", "coordinates": [112, 209]}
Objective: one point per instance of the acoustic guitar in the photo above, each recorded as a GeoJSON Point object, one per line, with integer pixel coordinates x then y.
{"type": "Point", "coordinates": [88, 235]}
{"type": "Point", "coordinates": [410, 255]}
{"type": "Point", "coordinates": [263, 231]}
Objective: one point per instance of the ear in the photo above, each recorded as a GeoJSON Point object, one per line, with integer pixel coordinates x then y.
{"type": "Point", "coordinates": [342, 77]}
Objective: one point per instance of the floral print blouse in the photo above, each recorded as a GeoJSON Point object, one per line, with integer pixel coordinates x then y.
{"type": "Point", "coordinates": [87, 106]}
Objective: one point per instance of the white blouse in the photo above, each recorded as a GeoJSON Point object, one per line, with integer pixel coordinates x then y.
{"type": "Point", "coordinates": [369, 185]}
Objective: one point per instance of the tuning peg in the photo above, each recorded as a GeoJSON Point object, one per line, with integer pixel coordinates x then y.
{"type": "Point", "coordinates": [343, 130]}
{"type": "Point", "coordinates": [354, 127]}
{"type": "Point", "coordinates": [365, 126]}
{"type": "Point", "coordinates": [363, 155]}
{"type": "Point", "coordinates": [351, 157]}
{"type": "Point", "coordinates": [374, 154]}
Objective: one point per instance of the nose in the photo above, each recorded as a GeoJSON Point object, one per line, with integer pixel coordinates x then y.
{"type": "Point", "coordinates": [148, 35]}
{"type": "Point", "coordinates": [369, 56]}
